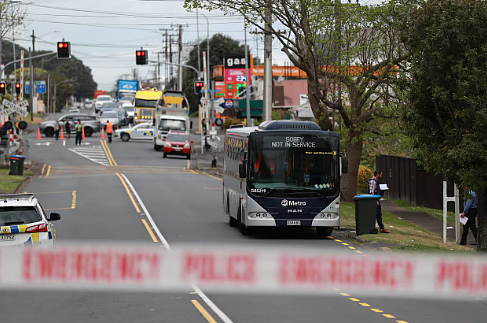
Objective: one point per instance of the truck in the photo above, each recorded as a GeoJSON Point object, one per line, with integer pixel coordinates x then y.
{"type": "Point", "coordinates": [127, 88]}
{"type": "Point", "coordinates": [99, 92]}
{"type": "Point", "coordinates": [170, 115]}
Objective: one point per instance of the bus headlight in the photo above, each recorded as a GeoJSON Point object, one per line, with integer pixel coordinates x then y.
{"type": "Point", "coordinates": [259, 215]}
{"type": "Point", "coordinates": [326, 215]}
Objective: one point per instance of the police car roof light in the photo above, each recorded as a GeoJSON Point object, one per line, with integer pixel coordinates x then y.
{"type": "Point", "coordinates": [27, 196]}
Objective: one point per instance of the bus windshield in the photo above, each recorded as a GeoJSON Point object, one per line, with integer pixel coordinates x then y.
{"type": "Point", "coordinates": [141, 103]}
{"type": "Point", "coordinates": [287, 164]}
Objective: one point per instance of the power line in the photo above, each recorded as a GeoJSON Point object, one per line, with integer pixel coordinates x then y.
{"type": "Point", "coordinates": [118, 18]}
{"type": "Point", "coordinates": [126, 14]}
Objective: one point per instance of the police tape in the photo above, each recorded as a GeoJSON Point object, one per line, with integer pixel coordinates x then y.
{"type": "Point", "coordinates": [237, 269]}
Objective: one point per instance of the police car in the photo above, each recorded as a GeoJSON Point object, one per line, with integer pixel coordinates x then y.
{"type": "Point", "coordinates": [140, 131]}
{"type": "Point", "coordinates": [23, 222]}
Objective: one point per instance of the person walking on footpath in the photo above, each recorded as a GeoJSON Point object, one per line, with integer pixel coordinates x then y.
{"type": "Point", "coordinates": [79, 133]}
{"type": "Point", "coordinates": [374, 189]}
{"type": "Point", "coordinates": [109, 130]}
{"type": "Point", "coordinates": [469, 211]}
{"type": "Point", "coordinates": [67, 126]}
{"type": "Point", "coordinates": [56, 129]}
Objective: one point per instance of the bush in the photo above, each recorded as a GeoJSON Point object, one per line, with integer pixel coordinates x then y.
{"type": "Point", "coordinates": [230, 121]}
{"type": "Point", "coordinates": [364, 175]}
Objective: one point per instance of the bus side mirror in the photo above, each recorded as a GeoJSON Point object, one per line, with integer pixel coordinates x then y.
{"type": "Point", "coordinates": [242, 170]}
{"type": "Point", "coordinates": [344, 165]}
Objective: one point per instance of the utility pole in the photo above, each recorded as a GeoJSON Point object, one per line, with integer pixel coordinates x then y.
{"type": "Point", "coordinates": [170, 61]}
{"type": "Point", "coordinates": [158, 70]}
{"type": "Point", "coordinates": [268, 62]}
{"type": "Point", "coordinates": [32, 87]}
{"type": "Point", "coordinates": [180, 70]}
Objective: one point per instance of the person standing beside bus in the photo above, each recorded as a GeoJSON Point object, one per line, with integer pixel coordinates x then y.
{"type": "Point", "coordinates": [374, 189]}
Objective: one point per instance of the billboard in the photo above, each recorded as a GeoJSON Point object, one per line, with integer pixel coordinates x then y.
{"type": "Point", "coordinates": [234, 75]}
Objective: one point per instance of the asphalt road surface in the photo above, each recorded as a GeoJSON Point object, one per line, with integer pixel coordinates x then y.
{"type": "Point", "coordinates": [88, 188]}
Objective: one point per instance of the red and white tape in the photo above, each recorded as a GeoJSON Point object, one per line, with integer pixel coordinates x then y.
{"type": "Point", "coordinates": [242, 270]}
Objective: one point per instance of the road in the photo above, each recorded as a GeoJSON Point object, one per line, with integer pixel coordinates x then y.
{"type": "Point", "coordinates": [97, 190]}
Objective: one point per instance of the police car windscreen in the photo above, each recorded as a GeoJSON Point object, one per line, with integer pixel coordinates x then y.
{"type": "Point", "coordinates": [294, 161]}
{"type": "Point", "coordinates": [10, 215]}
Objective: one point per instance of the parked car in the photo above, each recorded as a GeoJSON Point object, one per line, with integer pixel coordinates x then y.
{"type": "Point", "coordinates": [107, 106]}
{"type": "Point", "coordinates": [111, 116]}
{"type": "Point", "coordinates": [140, 131]}
{"type": "Point", "coordinates": [177, 143]}
{"type": "Point", "coordinates": [90, 123]}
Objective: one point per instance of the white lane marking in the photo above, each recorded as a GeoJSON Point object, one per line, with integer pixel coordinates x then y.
{"type": "Point", "coordinates": [147, 214]}
{"type": "Point", "coordinates": [64, 142]}
{"type": "Point", "coordinates": [94, 153]}
{"type": "Point", "coordinates": [163, 240]}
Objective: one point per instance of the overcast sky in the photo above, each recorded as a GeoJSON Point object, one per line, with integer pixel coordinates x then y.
{"type": "Point", "coordinates": [106, 33]}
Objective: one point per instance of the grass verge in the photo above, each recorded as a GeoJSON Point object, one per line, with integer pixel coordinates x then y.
{"type": "Point", "coordinates": [8, 183]}
{"type": "Point", "coordinates": [407, 236]}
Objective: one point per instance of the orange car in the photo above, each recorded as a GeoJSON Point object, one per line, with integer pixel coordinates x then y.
{"type": "Point", "coordinates": [177, 143]}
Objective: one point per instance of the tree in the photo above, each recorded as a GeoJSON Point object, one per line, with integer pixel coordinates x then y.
{"type": "Point", "coordinates": [447, 110]}
{"type": "Point", "coordinates": [350, 54]}
{"type": "Point", "coordinates": [220, 46]}
{"type": "Point", "coordinates": [12, 15]}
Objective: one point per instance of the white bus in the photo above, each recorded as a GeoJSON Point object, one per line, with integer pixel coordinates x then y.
{"type": "Point", "coordinates": [282, 173]}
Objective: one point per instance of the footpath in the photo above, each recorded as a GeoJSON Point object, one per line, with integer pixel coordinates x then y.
{"type": "Point", "coordinates": [204, 160]}
{"type": "Point", "coordinates": [423, 220]}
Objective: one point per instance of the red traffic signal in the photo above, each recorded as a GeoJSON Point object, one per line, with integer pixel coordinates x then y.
{"type": "Point", "coordinates": [198, 86]}
{"type": "Point", "coordinates": [141, 57]}
{"type": "Point", "coordinates": [3, 88]}
{"type": "Point", "coordinates": [17, 88]}
{"type": "Point", "coordinates": [63, 50]}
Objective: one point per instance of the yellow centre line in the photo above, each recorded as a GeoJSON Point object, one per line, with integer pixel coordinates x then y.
{"type": "Point", "coordinates": [129, 193]}
{"type": "Point", "coordinates": [43, 169]}
{"type": "Point", "coordinates": [48, 171]}
{"type": "Point", "coordinates": [212, 188]}
{"type": "Point", "coordinates": [203, 311]}
{"type": "Point", "coordinates": [212, 176]}
{"type": "Point", "coordinates": [149, 230]}
{"type": "Point", "coordinates": [73, 203]}
{"type": "Point", "coordinates": [187, 164]}
{"type": "Point", "coordinates": [106, 152]}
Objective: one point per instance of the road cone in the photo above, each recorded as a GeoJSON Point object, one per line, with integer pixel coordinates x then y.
{"type": "Point", "coordinates": [62, 134]}
{"type": "Point", "coordinates": [102, 134]}
{"type": "Point", "coordinates": [39, 133]}
{"type": "Point", "coordinates": [83, 133]}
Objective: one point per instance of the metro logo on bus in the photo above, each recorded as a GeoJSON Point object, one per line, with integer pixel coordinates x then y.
{"type": "Point", "coordinates": [286, 203]}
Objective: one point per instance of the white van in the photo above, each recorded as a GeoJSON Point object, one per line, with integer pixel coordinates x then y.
{"type": "Point", "coordinates": [164, 124]}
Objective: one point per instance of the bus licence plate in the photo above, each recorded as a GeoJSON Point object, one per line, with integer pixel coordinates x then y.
{"type": "Point", "coordinates": [293, 222]}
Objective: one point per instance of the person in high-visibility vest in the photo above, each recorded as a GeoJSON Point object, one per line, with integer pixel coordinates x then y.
{"type": "Point", "coordinates": [109, 131]}
{"type": "Point", "coordinates": [272, 168]}
{"type": "Point", "coordinates": [79, 133]}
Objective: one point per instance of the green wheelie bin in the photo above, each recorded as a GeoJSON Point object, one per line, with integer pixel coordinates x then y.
{"type": "Point", "coordinates": [17, 165]}
{"type": "Point", "coordinates": [366, 213]}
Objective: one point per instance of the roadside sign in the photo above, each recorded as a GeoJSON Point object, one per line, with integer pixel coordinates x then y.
{"type": "Point", "coordinates": [20, 108]}
{"type": "Point", "coordinates": [40, 87]}
{"type": "Point", "coordinates": [228, 103]}
{"type": "Point", "coordinates": [203, 91]}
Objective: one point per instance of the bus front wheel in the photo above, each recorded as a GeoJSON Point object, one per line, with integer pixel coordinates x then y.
{"type": "Point", "coordinates": [324, 231]}
{"type": "Point", "coordinates": [244, 230]}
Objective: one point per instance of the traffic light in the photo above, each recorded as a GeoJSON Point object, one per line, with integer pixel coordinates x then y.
{"type": "Point", "coordinates": [141, 57]}
{"type": "Point", "coordinates": [198, 86]}
{"type": "Point", "coordinates": [241, 87]}
{"type": "Point", "coordinates": [3, 88]}
{"type": "Point", "coordinates": [63, 49]}
{"type": "Point", "coordinates": [17, 88]}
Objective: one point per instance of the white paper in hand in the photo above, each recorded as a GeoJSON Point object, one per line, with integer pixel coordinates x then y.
{"type": "Point", "coordinates": [463, 220]}
{"type": "Point", "coordinates": [383, 187]}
